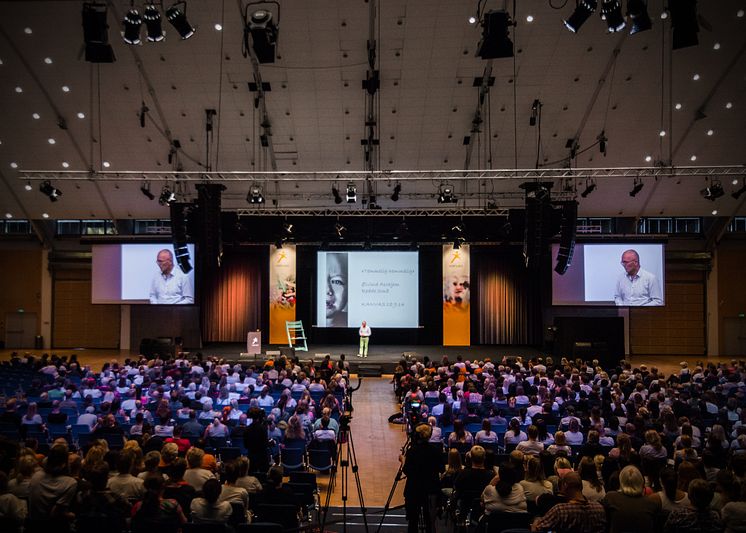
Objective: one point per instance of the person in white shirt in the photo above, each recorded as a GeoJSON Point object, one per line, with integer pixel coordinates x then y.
{"type": "Point", "coordinates": [636, 286]}
{"type": "Point", "coordinates": [170, 285]}
{"type": "Point", "coordinates": [364, 338]}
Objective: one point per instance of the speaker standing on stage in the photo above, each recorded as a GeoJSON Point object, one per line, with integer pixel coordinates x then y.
{"type": "Point", "coordinates": [364, 338]}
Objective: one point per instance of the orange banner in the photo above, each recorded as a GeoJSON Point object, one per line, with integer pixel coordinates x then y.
{"type": "Point", "coordinates": [281, 291]}
{"type": "Point", "coordinates": [456, 296]}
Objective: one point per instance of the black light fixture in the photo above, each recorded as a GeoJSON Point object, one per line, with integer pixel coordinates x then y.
{"type": "Point", "coordinates": [154, 23]}
{"type": "Point", "coordinates": [611, 12]}
{"type": "Point", "coordinates": [583, 10]}
{"type": "Point", "coordinates": [340, 230]}
{"type": "Point", "coordinates": [637, 11]}
{"type": "Point", "coordinates": [351, 195]}
{"type": "Point", "coordinates": [535, 110]}
{"type": "Point", "coordinates": [713, 191]}
{"type": "Point", "coordinates": [397, 191]}
{"type": "Point", "coordinates": [495, 42]}
{"type": "Point", "coordinates": [255, 195]}
{"type": "Point", "coordinates": [50, 191]}
{"type": "Point", "coordinates": [96, 34]}
{"type": "Point", "coordinates": [737, 194]}
{"type": "Point", "coordinates": [145, 189]}
{"type": "Point", "coordinates": [262, 29]}
{"type": "Point", "coordinates": [602, 140]}
{"type": "Point", "coordinates": [446, 195]}
{"type": "Point", "coordinates": [279, 242]}
{"type": "Point", "coordinates": [288, 227]}
{"type": "Point", "coordinates": [590, 186]}
{"type": "Point", "coordinates": [336, 195]}
{"type": "Point", "coordinates": [132, 24]}
{"type": "Point", "coordinates": [177, 18]}
{"type": "Point", "coordinates": [637, 187]}
{"type": "Point", "coordinates": [167, 196]}
{"type": "Point", "coordinates": [684, 23]}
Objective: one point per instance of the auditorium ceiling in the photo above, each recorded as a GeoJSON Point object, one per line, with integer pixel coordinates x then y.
{"type": "Point", "coordinates": [146, 112]}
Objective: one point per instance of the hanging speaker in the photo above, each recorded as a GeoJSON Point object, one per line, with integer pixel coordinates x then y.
{"type": "Point", "coordinates": [567, 236]}
{"type": "Point", "coordinates": [179, 214]}
{"type": "Point", "coordinates": [211, 235]}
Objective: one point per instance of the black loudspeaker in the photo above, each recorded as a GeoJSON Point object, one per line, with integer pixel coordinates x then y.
{"type": "Point", "coordinates": [179, 215]}
{"type": "Point", "coordinates": [538, 221]}
{"type": "Point", "coordinates": [211, 235]}
{"type": "Point", "coordinates": [495, 41]}
{"type": "Point", "coordinates": [567, 236]}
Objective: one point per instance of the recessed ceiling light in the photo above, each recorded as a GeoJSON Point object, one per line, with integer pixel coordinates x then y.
{"type": "Point", "coordinates": [1, 61]}
{"type": "Point", "coordinates": [739, 13]}
{"type": "Point", "coordinates": [678, 106]}
{"type": "Point", "coordinates": [65, 89]}
{"type": "Point", "coordinates": [28, 187]}
{"type": "Point", "coordinates": [714, 212]}
{"type": "Point", "coordinates": [19, 89]}
{"type": "Point", "coordinates": [28, 31]}
{"type": "Point", "coordinates": [695, 77]}
{"type": "Point", "coordinates": [35, 116]}
{"type": "Point", "coordinates": [219, 27]}
{"type": "Point", "coordinates": [728, 105]}
{"type": "Point", "coordinates": [648, 158]}
{"type": "Point", "coordinates": [472, 20]}
{"type": "Point", "coordinates": [662, 133]}
{"type": "Point", "coordinates": [693, 158]}
{"type": "Point", "coordinates": [716, 46]}
{"type": "Point", "coordinates": [14, 165]}
{"type": "Point", "coordinates": [65, 164]}
{"type": "Point", "coordinates": [664, 15]}
{"type": "Point", "coordinates": [735, 181]}
{"type": "Point", "coordinates": [81, 115]}
{"type": "Point", "coordinates": [45, 215]}
{"type": "Point", "coordinates": [48, 60]}
{"type": "Point", "coordinates": [51, 141]}
{"type": "Point", "coordinates": [530, 18]}
{"type": "Point", "coordinates": [710, 132]}
{"type": "Point", "coordinates": [8, 215]}
{"type": "Point", "coordinates": [106, 164]}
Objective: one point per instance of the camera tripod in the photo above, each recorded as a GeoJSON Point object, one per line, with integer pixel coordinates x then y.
{"type": "Point", "coordinates": [346, 459]}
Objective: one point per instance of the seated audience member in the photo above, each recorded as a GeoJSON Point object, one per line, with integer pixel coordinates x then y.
{"type": "Point", "coordinates": [562, 467]}
{"type": "Point", "coordinates": [124, 483]}
{"type": "Point", "coordinates": [560, 445]}
{"type": "Point", "coordinates": [88, 418]}
{"type": "Point", "coordinates": [52, 491]}
{"type": "Point", "coordinates": [56, 416]}
{"type": "Point", "coordinates": [154, 511]}
{"type": "Point", "coordinates": [733, 513]}
{"type": "Point", "coordinates": [151, 463]}
{"type": "Point", "coordinates": [183, 444]}
{"type": "Point", "coordinates": [576, 514]}
{"type": "Point", "coordinates": [231, 491]}
{"type": "Point", "coordinates": [192, 429]}
{"type": "Point", "coordinates": [697, 517]}
{"type": "Point", "coordinates": [274, 492]}
{"type": "Point", "coordinates": [216, 430]}
{"type": "Point", "coordinates": [453, 469]}
{"type": "Point", "coordinates": [436, 434]}
{"type": "Point", "coordinates": [475, 477]}
{"type": "Point", "coordinates": [653, 448]}
{"type": "Point", "coordinates": [514, 435]}
{"type": "Point", "coordinates": [13, 510]}
{"type": "Point", "coordinates": [593, 488]}
{"type": "Point", "coordinates": [101, 504]}
{"type": "Point", "coordinates": [504, 492]}
{"type": "Point", "coordinates": [459, 435]}
{"type": "Point", "coordinates": [32, 417]}
{"type": "Point", "coordinates": [534, 483]}
{"type": "Point", "coordinates": [176, 488]}
{"type": "Point", "coordinates": [26, 466]}
{"type": "Point", "coordinates": [573, 435]}
{"type": "Point", "coordinates": [209, 508]}
{"type": "Point", "coordinates": [250, 483]}
{"type": "Point", "coordinates": [195, 474]}
{"type": "Point", "coordinates": [670, 497]}
{"type": "Point", "coordinates": [627, 508]}
{"type": "Point", "coordinates": [532, 446]}
{"type": "Point", "coordinates": [486, 435]}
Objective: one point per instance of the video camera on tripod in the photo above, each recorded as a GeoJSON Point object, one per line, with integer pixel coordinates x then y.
{"type": "Point", "coordinates": [413, 412]}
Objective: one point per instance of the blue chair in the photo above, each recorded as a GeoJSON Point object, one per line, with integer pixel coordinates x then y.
{"type": "Point", "coordinates": [292, 459]}
{"type": "Point", "coordinates": [320, 459]}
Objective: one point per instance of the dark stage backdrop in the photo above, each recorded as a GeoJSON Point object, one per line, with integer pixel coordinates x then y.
{"type": "Point", "coordinates": [508, 297]}
{"type": "Point", "coordinates": [234, 298]}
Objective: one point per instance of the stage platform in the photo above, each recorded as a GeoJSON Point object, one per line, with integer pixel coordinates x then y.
{"type": "Point", "coordinates": [382, 359]}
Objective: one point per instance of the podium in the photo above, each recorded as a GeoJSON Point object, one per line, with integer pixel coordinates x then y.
{"type": "Point", "coordinates": [254, 342]}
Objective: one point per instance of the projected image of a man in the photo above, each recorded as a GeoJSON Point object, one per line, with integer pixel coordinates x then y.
{"type": "Point", "coordinates": [636, 286]}
{"type": "Point", "coordinates": [170, 285]}
{"type": "Point", "coordinates": [336, 290]}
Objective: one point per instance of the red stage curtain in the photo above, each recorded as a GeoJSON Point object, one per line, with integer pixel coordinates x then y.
{"type": "Point", "coordinates": [506, 305]}
{"type": "Point", "coordinates": [232, 300]}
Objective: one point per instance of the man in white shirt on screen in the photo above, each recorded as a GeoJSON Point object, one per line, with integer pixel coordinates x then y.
{"type": "Point", "coordinates": [170, 285]}
{"type": "Point", "coordinates": [637, 287]}
{"type": "Point", "coordinates": [364, 338]}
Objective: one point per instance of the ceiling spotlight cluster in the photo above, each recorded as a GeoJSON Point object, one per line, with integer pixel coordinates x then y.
{"type": "Point", "coordinates": [167, 196]}
{"type": "Point", "coordinates": [255, 195]}
{"type": "Point", "coordinates": [611, 13]}
{"type": "Point", "coordinates": [351, 195]}
{"type": "Point", "coordinates": [176, 15]}
{"type": "Point", "coordinates": [713, 190]}
{"type": "Point", "coordinates": [261, 29]}
{"type": "Point", "coordinates": [50, 191]}
{"type": "Point", "coordinates": [446, 195]}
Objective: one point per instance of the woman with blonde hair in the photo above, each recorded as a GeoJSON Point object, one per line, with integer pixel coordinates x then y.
{"type": "Point", "coordinates": [653, 448]}
{"type": "Point", "coordinates": [534, 483]}
{"type": "Point", "coordinates": [560, 445]}
{"type": "Point", "coordinates": [453, 469]}
{"type": "Point", "coordinates": [627, 508]}
{"type": "Point", "coordinates": [26, 466]}
{"type": "Point", "coordinates": [562, 466]}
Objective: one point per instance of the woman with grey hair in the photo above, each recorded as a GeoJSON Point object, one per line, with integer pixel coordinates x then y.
{"type": "Point", "coordinates": [627, 508]}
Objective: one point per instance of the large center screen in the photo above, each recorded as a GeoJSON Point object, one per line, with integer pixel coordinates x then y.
{"type": "Point", "coordinates": [378, 287]}
{"type": "Point", "coordinates": [621, 274]}
{"type": "Point", "coordinates": [140, 273]}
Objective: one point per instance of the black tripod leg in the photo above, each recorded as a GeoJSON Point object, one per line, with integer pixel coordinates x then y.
{"type": "Point", "coordinates": [351, 454]}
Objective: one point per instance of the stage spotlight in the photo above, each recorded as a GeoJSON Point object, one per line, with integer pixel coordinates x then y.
{"type": "Point", "coordinates": [713, 191]}
{"type": "Point", "coordinates": [96, 34]}
{"type": "Point", "coordinates": [167, 196]}
{"type": "Point", "coordinates": [132, 24]}
{"type": "Point", "coordinates": [637, 11]}
{"type": "Point", "coordinates": [583, 10]}
{"type": "Point", "coordinates": [50, 191]}
{"type": "Point", "coordinates": [539, 193]}
{"type": "Point", "coordinates": [457, 242]}
{"type": "Point", "coordinates": [177, 18]}
{"type": "Point", "coordinates": [611, 12]}
{"type": "Point", "coordinates": [340, 230]}
{"type": "Point", "coordinates": [154, 23]}
{"type": "Point", "coordinates": [145, 189]}
{"type": "Point", "coordinates": [397, 191]}
{"type": "Point", "coordinates": [590, 186]}
{"type": "Point", "coordinates": [445, 194]}
{"type": "Point", "coordinates": [263, 31]}
{"type": "Point", "coordinates": [336, 195]}
{"type": "Point", "coordinates": [255, 195]}
{"type": "Point", "coordinates": [351, 193]}
{"type": "Point", "coordinates": [737, 194]}
{"type": "Point", "coordinates": [288, 228]}
{"type": "Point", "coordinates": [638, 185]}
{"type": "Point", "coordinates": [684, 23]}
{"type": "Point", "coordinates": [495, 41]}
